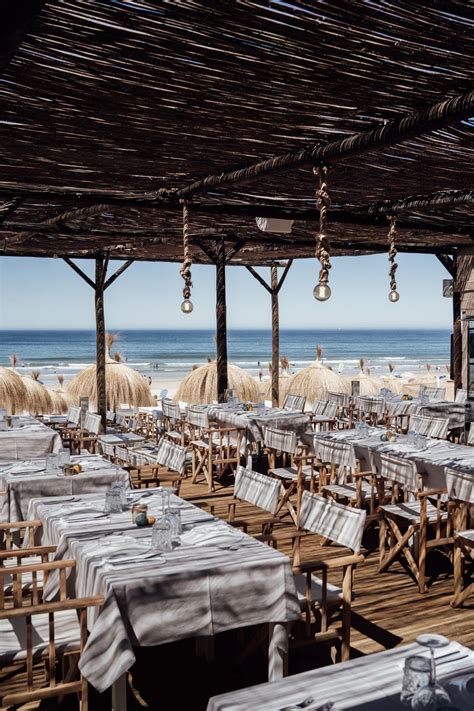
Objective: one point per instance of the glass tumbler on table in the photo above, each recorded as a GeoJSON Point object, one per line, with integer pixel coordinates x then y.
{"type": "Point", "coordinates": [416, 673]}
{"type": "Point", "coordinates": [113, 501]}
{"type": "Point", "coordinates": [52, 463]}
{"type": "Point", "coordinates": [64, 458]}
{"type": "Point", "coordinates": [161, 534]}
{"type": "Point", "coordinates": [432, 695]}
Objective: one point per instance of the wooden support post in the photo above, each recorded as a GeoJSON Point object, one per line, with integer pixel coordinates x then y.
{"type": "Point", "coordinates": [275, 338]}
{"type": "Point", "coordinates": [456, 373]}
{"type": "Point", "coordinates": [221, 321]}
{"type": "Point", "coordinates": [100, 272]}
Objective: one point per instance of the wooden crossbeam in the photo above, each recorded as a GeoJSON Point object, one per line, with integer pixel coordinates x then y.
{"type": "Point", "coordinates": [79, 271]}
{"type": "Point", "coordinates": [119, 271]}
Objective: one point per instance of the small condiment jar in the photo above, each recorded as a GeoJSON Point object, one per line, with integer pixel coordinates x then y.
{"type": "Point", "coordinates": [137, 509]}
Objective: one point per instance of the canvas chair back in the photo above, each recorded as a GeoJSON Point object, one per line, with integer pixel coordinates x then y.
{"type": "Point", "coordinates": [171, 410]}
{"type": "Point", "coordinates": [110, 415]}
{"type": "Point", "coordinates": [339, 456]}
{"type": "Point", "coordinates": [74, 415]}
{"type": "Point", "coordinates": [399, 471]}
{"type": "Point", "coordinates": [92, 423]}
{"type": "Point", "coordinates": [171, 455]}
{"type": "Point", "coordinates": [371, 406]}
{"type": "Point", "coordinates": [431, 393]}
{"type": "Point", "coordinates": [197, 417]}
{"type": "Point", "coordinates": [342, 524]}
{"type": "Point", "coordinates": [319, 406]}
{"type": "Point", "coordinates": [341, 399]}
{"type": "Point", "coordinates": [294, 402]}
{"type": "Point", "coordinates": [461, 396]}
{"type": "Point", "coordinates": [280, 440]}
{"type": "Point", "coordinates": [460, 485]}
{"type": "Point", "coordinates": [257, 489]}
{"type": "Point", "coordinates": [120, 420]}
{"type": "Point", "coordinates": [430, 426]}
{"type": "Point", "coordinates": [330, 411]}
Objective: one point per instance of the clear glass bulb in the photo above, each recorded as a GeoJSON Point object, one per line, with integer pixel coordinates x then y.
{"type": "Point", "coordinates": [393, 296]}
{"type": "Point", "coordinates": [322, 292]}
{"type": "Point", "coordinates": [187, 306]}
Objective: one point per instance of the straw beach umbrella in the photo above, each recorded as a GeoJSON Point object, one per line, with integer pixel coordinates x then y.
{"type": "Point", "coordinates": [38, 398]}
{"type": "Point", "coordinates": [12, 391]}
{"type": "Point", "coordinates": [62, 400]}
{"type": "Point", "coordinates": [200, 386]}
{"type": "Point", "coordinates": [123, 385]}
{"type": "Point", "coordinates": [369, 386]}
{"type": "Point", "coordinates": [315, 381]}
{"type": "Point", "coordinates": [391, 381]}
{"type": "Point", "coordinates": [283, 380]}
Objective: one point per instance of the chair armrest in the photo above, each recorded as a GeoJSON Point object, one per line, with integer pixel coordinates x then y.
{"type": "Point", "coordinates": [51, 607]}
{"type": "Point", "coordinates": [26, 552]}
{"type": "Point", "coordinates": [20, 524]}
{"type": "Point", "coordinates": [281, 536]}
{"type": "Point", "coordinates": [432, 492]}
{"type": "Point", "coordinates": [360, 474]}
{"type": "Point", "coordinates": [329, 563]}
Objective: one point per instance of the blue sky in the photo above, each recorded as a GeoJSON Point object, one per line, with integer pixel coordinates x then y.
{"type": "Point", "coordinates": [46, 293]}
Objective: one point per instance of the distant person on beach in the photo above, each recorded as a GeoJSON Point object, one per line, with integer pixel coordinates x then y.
{"type": "Point", "coordinates": [149, 380]}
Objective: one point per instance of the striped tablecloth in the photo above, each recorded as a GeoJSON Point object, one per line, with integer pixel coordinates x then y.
{"type": "Point", "coordinates": [28, 438]}
{"type": "Point", "coordinates": [229, 580]}
{"type": "Point", "coordinates": [254, 422]}
{"type": "Point", "coordinates": [430, 462]}
{"type": "Point", "coordinates": [371, 683]}
{"type": "Point", "coordinates": [23, 481]}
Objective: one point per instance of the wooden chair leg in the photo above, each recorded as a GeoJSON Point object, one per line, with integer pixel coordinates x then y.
{"type": "Point", "coordinates": [346, 613]}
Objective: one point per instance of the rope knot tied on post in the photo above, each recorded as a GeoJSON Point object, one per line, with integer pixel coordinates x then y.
{"type": "Point", "coordinates": [392, 256]}
{"type": "Point", "coordinates": [322, 291]}
{"type": "Point", "coordinates": [185, 271]}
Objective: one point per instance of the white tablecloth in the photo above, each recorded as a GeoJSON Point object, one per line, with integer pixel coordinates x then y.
{"type": "Point", "coordinates": [254, 423]}
{"type": "Point", "coordinates": [194, 590]}
{"type": "Point", "coordinates": [371, 683]}
{"type": "Point", "coordinates": [27, 439]}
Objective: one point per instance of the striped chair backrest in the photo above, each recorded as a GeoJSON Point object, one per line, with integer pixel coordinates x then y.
{"type": "Point", "coordinates": [460, 485]}
{"type": "Point", "coordinates": [120, 420]}
{"type": "Point", "coordinates": [461, 396]}
{"type": "Point", "coordinates": [107, 449]}
{"type": "Point", "coordinates": [330, 411]}
{"type": "Point", "coordinates": [371, 405]}
{"type": "Point", "coordinates": [430, 426]}
{"type": "Point", "coordinates": [335, 452]}
{"type": "Point", "coordinates": [342, 524]}
{"type": "Point", "coordinates": [122, 454]}
{"type": "Point", "coordinates": [294, 402]}
{"type": "Point", "coordinates": [398, 470]}
{"type": "Point", "coordinates": [341, 399]}
{"type": "Point", "coordinates": [280, 440]}
{"type": "Point", "coordinates": [110, 416]}
{"type": "Point", "coordinates": [171, 409]}
{"type": "Point", "coordinates": [74, 415]}
{"type": "Point", "coordinates": [431, 393]}
{"type": "Point", "coordinates": [257, 489]}
{"type": "Point", "coordinates": [171, 455]}
{"type": "Point", "coordinates": [319, 406]}
{"type": "Point", "coordinates": [197, 417]}
{"type": "Point", "coordinates": [92, 423]}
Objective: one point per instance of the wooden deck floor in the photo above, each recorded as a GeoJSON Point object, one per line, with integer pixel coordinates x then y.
{"type": "Point", "coordinates": [387, 611]}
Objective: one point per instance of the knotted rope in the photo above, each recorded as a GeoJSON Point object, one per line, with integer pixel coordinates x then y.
{"type": "Point", "coordinates": [392, 253]}
{"type": "Point", "coordinates": [323, 203]}
{"type": "Point", "coordinates": [185, 270]}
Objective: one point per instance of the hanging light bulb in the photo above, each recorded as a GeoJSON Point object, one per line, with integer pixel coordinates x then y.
{"type": "Point", "coordinates": [393, 296]}
{"type": "Point", "coordinates": [187, 306]}
{"type": "Point", "coordinates": [322, 291]}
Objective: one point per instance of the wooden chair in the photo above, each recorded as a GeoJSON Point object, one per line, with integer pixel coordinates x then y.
{"type": "Point", "coordinates": [214, 450]}
{"type": "Point", "coordinates": [344, 407]}
{"type": "Point", "coordinates": [460, 487]}
{"type": "Point", "coordinates": [40, 634]}
{"type": "Point", "coordinates": [410, 525]}
{"type": "Point", "coordinates": [18, 534]}
{"type": "Point", "coordinates": [166, 466]}
{"type": "Point", "coordinates": [431, 393]}
{"type": "Point", "coordinates": [69, 430]}
{"type": "Point", "coordinates": [86, 437]}
{"type": "Point", "coordinates": [173, 423]}
{"type": "Point", "coordinates": [436, 427]}
{"type": "Point", "coordinates": [370, 409]}
{"type": "Point", "coordinates": [290, 464]}
{"type": "Point", "coordinates": [294, 402]}
{"type": "Point", "coordinates": [326, 607]}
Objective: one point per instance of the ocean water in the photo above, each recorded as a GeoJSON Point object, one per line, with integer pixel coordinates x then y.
{"type": "Point", "coordinates": [172, 353]}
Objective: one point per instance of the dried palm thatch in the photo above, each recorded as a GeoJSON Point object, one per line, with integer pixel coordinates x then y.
{"type": "Point", "coordinates": [369, 385]}
{"type": "Point", "coordinates": [315, 381]}
{"type": "Point", "coordinates": [12, 391]}
{"type": "Point", "coordinates": [283, 380]}
{"type": "Point", "coordinates": [391, 381]}
{"type": "Point", "coordinates": [200, 386]}
{"type": "Point", "coordinates": [61, 399]}
{"type": "Point", "coordinates": [124, 385]}
{"type": "Point", "coordinates": [38, 398]}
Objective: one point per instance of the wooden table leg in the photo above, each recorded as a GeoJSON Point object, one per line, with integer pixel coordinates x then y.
{"type": "Point", "coordinates": [277, 650]}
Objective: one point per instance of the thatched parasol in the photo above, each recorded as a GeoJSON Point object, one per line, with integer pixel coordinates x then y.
{"type": "Point", "coordinates": [38, 398]}
{"type": "Point", "coordinates": [315, 381]}
{"type": "Point", "coordinates": [12, 391]}
{"type": "Point", "coordinates": [369, 386]}
{"type": "Point", "coordinates": [200, 386]}
{"type": "Point", "coordinates": [283, 380]}
{"type": "Point", "coordinates": [425, 378]}
{"type": "Point", "coordinates": [124, 385]}
{"type": "Point", "coordinates": [62, 400]}
{"type": "Point", "coordinates": [391, 382]}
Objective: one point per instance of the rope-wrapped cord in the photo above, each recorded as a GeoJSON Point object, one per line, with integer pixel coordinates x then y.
{"type": "Point", "coordinates": [323, 202]}
{"type": "Point", "coordinates": [392, 253]}
{"type": "Point", "coordinates": [185, 270]}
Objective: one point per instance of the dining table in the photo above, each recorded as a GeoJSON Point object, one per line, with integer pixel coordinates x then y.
{"type": "Point", "coordinates": [27, 437]}
{"type": "Point", "coordinates": [368, 683]}
{"type": "Point", "coordinates": [21, 481]}
{"type": "Point", "coordinates": [214, 579]}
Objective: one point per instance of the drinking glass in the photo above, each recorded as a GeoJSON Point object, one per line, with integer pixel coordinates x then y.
{"type": "Point", "coordinates": [416, 673]}
{"type": "Point", "coordinates": [52, 463]}
{"type": "Point", "coordinates": [120, 488]}
{"type": "Point", "coordinates": [421, 442]}
{"type": "Point", "coordinates": [432, 696]}
{"type": "Point", "coordinates": [113, 501]}
{"type": "Point", "coordinates": [161, 534]}
{"type": "Point", "coordinates": [174, 516]}
{"type": "Point", "coordinates": [64, 457]}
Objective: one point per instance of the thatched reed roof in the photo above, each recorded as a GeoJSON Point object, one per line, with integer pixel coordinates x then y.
{"type": "Point", "coordinates": [38, 397]}
{"type": "Point", "coordinates": [61, 399]}
{"type": "Point", "coordinates": [200, 386]}
{"type": "Point", "coordinates": [369, 385]}
{"type": "Point", "coordinates": [315, 381]}
{"type": "Point", "coordinates": [124, 385]}
{"type": "Point", "coordinates": [243, 84]}
{"type": "Point", "coordinates": [13, 396]}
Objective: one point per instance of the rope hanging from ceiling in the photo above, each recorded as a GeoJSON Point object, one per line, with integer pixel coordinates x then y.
{"type": "Point", "coordinates": [392, 256]}
{"type": "Point", "coordinates": [322, 290]}
{"type": "Point", "coordinates": [185, 270]}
